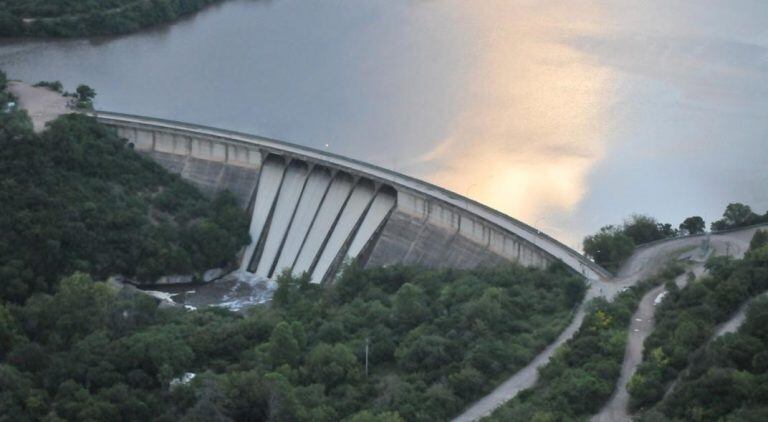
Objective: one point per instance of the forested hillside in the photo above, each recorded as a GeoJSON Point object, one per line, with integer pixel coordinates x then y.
{"type": "Point", "coordinates": [76, 198]}
{"type": "Point", "coordinates": [437, 341]}
{"type": "Point", "coordinates": [76, 18]}
{"type": "Point", "coordinates": [686, 321]}
{"type": "Point", "coordinates": [726, 381]}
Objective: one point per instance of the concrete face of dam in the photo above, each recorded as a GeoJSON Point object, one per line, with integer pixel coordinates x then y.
{"type": "Point", "coordinates": [312, 211]}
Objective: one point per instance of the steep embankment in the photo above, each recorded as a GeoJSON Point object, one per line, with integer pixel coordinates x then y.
{"type": "Point", "coordinates": [75, 198]}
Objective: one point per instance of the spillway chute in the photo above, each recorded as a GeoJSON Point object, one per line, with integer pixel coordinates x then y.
{"type": "Point", "coordinates": [284, 209]}
{"type": "Point", "coordinates": [270, 179]}
{"type": "Point", "coordinates": [309, 203]}
{"type": "Point", "coordinates": [323, 224]}
{"type": "Point", "coordinates": [345, 227]}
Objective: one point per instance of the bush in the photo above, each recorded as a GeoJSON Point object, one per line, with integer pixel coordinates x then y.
{"type": "Point", "coordinates": [53, 86]}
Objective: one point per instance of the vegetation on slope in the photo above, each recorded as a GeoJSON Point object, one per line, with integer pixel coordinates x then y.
{"type": "Point", "coordinates": [727, 381]}
{"type": "Point", "coordinates": [437, 340]}
{"type": "Point", "coordinates": [738, 215]}
{"type": "Point", "coordinates": [77, 18]}
{"type": "Point", "coordinates": [582, 374]}
{"type": "Point", "coordinates": [687, 319]}
{"type": "Point", "coordinates": [612, 245]}
{"type": "Point", "coordinates": [76, 198]}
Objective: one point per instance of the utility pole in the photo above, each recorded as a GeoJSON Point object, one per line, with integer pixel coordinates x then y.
{"type": "Point", "coordinates": [366, 356]}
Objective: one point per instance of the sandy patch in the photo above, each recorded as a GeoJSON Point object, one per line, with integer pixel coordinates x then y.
{"type": "Point", "coordinates": [42, 104]}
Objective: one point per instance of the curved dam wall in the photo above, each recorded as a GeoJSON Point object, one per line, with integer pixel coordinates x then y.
{"type": "Point", "coordinates": [311, 210]}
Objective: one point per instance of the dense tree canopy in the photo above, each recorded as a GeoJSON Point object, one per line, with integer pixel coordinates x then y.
{"type": "Point", "coordinates": [90, 352]}
{"type": "Point", "coordinates": [643, 229]}
{"type": "Point", "coordinates": [738, 215]}
{"type": "Point", "coordinates": [610, 247]}
{"type": "Point", "coordinates": [727, 380]}
{"type": "Point", "coordinates": [693, 225]}
{"type": "Point", "coordinates": [76, 198]}
{"type": "Point", "coordinates": [75, 18]}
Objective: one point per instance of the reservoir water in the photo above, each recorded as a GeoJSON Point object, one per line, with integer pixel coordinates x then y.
{"type": "Point", "coordinates": [566, 115]}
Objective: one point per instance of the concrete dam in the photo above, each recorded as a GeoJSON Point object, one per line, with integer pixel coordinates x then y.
{"type": "Point", "coordinates": [312, 211]}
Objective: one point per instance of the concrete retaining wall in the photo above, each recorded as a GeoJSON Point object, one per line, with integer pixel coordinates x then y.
{"type": "Point", "coordinates": [421, 225]}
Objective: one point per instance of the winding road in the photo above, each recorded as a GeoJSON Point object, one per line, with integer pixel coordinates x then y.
{"type": "Point", "coordinates": [734, 243]}
{"type": "Point", "coordinates": [644, 262]}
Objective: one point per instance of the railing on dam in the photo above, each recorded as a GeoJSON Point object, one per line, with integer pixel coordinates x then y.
{"type": "Point", "coordinates": [382, 216]}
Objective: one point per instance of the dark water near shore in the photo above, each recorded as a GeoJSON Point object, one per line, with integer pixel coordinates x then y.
{"type": "Point", "coordinates": [568, 116]}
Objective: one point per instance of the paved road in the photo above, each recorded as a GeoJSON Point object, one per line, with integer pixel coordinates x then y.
{"type": "Point", "coordinates": [734, 244]}
{"type": "Point", "coordinates": [643, 263]}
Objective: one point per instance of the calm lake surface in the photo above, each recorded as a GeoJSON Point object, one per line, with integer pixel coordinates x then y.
{"type": "Point", "coordinates": [566, 115]}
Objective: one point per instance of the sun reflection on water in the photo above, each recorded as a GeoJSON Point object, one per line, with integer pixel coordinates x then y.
{"type": "Point", "coordinates": [534, 117]}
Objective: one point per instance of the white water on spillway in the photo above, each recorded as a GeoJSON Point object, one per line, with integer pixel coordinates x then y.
{"type": "Point", "coordinates": [287, 200]}
{"type": "Point", "coordinates": [313, 194]}
{"type": "Point", "coordinates": [380, 207]}
{"type": "Point", "coordinates": [324, 222]}
{"type": "Point", "coordinates": [269, 183]}
{"type": "Point", "coordinates": [350, 217]}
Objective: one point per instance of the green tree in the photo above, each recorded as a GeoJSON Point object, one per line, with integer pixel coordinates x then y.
{"type": "Point", "coordinates": [368, 416]}
{"type": "Point", "coordinates": [736, 215]}
{"type": "Point", "coordinates": [610, 247]}
{"type": "Point", "coordinates": [759, 239]}
{"type": "Point", "coordinates": [85, 96]}
{"type": "Point", "coordinates": [9, 332]}
{"type": "Point", "coordinates": [693, 225]}
{"type": "Point", "coordinates": [283, 347]}
{"type": "Point", "coordinates": [332, 365]}
{"type": "Point", "coordinates": [643, 229]}
{"type": "Point", "coordinates": [422, 352]}
{"type": "Point", "coordinates": [10, 25]}
{"type": "Point", "coordinates": [409, 305]}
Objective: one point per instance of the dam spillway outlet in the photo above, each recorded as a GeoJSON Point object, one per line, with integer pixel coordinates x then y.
{"type": "Point", "coordinates": [311, 211]}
